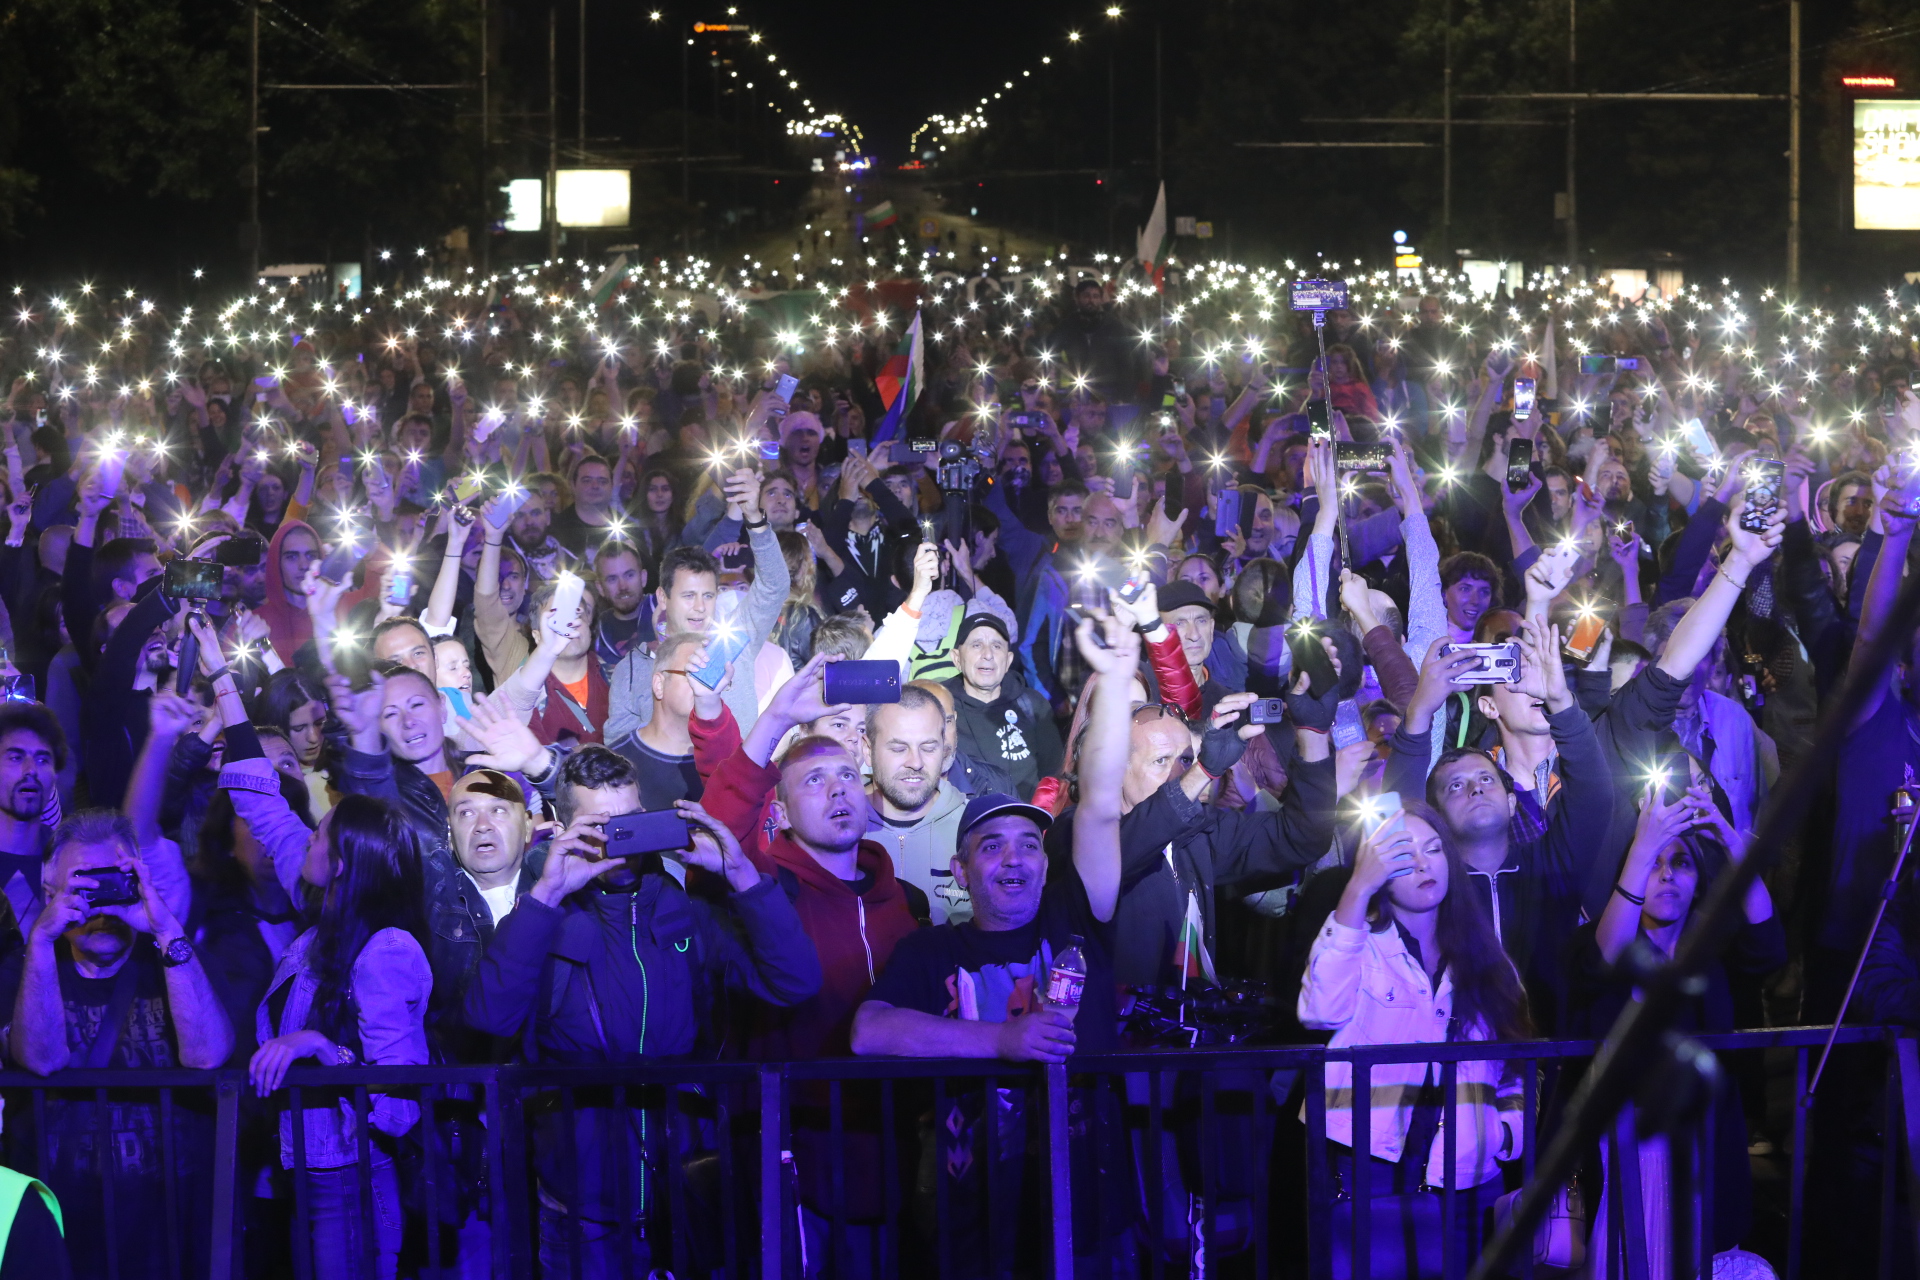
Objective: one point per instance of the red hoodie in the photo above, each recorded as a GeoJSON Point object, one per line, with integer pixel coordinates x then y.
{"type": "Point", "coordinates": [854, 933]}
{"type": "Point", "coordinates": [287, 622]}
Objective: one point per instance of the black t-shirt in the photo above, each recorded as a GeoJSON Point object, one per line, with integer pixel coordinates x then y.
{"type": "Point", "coordinates": [964, 971]}
{"type": "Point", "coordinates": [663, 778]}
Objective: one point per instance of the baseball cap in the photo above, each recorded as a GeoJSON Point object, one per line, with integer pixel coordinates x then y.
{"type": "Point", "coordinates": [992, 805]}
{"type": "Point", "coordinates": [1180, 593]}
{"type": "Point", "coordinates": [976, 620]}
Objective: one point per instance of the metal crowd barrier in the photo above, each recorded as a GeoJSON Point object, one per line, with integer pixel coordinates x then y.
{"type": "Point", "coordinates": [981, 1168]}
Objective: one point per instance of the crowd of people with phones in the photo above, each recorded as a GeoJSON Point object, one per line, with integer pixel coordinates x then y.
{"type": "Point", "coordinates": [530, 670]}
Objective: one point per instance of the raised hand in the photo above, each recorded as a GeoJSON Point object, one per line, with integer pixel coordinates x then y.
{"type": "Point", "coordinates": [802, 699]}
{"type": "Point", "coordinates": [1119, 657]}
{"type": "Point", "coordinates": [715, 848]}
{"type": "Point", "coordinates": [359, 710]}
{"type": "Point", "coordinates": [509, 743]}
{"type": "Point", "coordinates": [1540, 656]}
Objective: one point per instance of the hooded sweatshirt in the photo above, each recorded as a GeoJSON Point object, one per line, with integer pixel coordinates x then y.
{"type": "Point", "coordinates": [1014, 732]}
{"type": "Point", "coordinates": [923, 853]}
{"type": "Point", "coordinates": [854, 932]}
{"type": "Point", "coordinates": [287, 622]}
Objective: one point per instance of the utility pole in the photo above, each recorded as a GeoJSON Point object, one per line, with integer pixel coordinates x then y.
{"type": "Point", "coordinates": [486, 149]}
{"type": "Point", "coordinates": [1573, 115]}
{"type": "Point", "coordinates": [1448, 261]}
{"type": "Point", "coordinates": [686, 149]}
{"type": "Point", "coordinates": [553, 134]}
{"type": "Point", "coordinates": [1793, 147]}
{"type": "Point", "coordinates": [1159, 137]}
{"type": "Point", "coordinates": [253, 157]}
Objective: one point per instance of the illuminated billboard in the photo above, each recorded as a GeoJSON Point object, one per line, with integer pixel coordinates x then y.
{"type": "Point", "coordinates": [1886, 165]}
{"type": "Point", "coordinates": [592, 197]}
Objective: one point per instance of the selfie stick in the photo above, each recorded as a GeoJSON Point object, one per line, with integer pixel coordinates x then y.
{"type": "Point", "coordinates": [1902, 815]}
{"type": "Point", "coordinates": [189, 656]}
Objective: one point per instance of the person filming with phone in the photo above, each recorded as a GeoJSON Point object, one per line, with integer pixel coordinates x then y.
{"type": "Point", "coordinates": [608, 960]}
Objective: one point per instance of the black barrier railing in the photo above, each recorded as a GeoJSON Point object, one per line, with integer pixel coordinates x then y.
{"type": "Point", "coordinates": [1153, 1163]}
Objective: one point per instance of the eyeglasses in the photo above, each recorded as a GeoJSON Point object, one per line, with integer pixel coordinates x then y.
{"type": "Point", "coordinates": [1162, 709]}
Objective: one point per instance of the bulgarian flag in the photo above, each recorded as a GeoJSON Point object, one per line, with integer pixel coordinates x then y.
{"type": "Point", "coordinates": [900, 382]}
{"type": "Point", "coordinates": [1190, 948]}
{"type": "Point", "coordinates": [1152, 251]}
{"type": "Point", "coordinates": [603, 288]}
{"type": "Point", "coordinates": [882, 214]}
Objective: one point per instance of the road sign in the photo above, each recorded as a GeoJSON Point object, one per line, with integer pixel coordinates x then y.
{"type": "Point", "coordinates": [1184, 227]}
{"type": "Point", "coordinates": [1203, 230]}
{"type": "Point", "coordinates": [929, 228]}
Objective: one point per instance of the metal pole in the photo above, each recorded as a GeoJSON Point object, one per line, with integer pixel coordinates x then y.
{"type": "Point", "coordinates": [1446, 150]}
{"type": "Point", "coordinates": [486, 148]}
{"type": "Point", "coordinates": [253, 157]}
{"type": "Point", "coordinates": [686, 151]}
{"type": "Point", "coordinates": [1159, 137]}
{"type": "Point", "coordinates": [553, 132]}
{"type": "Point", "coordinates": [1573, 116]}
{"type": "Point", "coordinates": [583, 81]}
{"type": "Point", "coordinates": [1113, 34]}
{"type": "Point", "coordinates": [1793, 147]}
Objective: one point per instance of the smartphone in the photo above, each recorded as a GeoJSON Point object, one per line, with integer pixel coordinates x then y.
{"type": "Point", "coordinates": [1020, 420]}
{"type": "Point", "coordinates": [1378, 812]}
{"type": "Point", "coordinates": [1347, 726]}
{"type": "Point", "coordinates": [1629, 364]}
{"type": "Point", "coordinates": [1179, 389]}
{"type": "Point", "coordinates": [1303, 643]}
{"type": "Point", "coordinates": [242, 551]}
{"type": "Point", "coordinates": [862, 682]}
{"type": "Point", "coordinates": [1519, 463]}
{"type": "Point", "coordinates": [1499, 663]}
{"type": "Point", "coordinates": [506, 505]}
{"type": "Point", "coordinates": [1591, 365]}
{"type": "Point", "coordinates": [1320, 295]}
{"type": "Point", "coordinates": [722, 650]}
{"type": "Point", "coordinates": [192, 579]}
{"type": "Point", "coordinates": [635, 834]}
{"type": "Point", "coordinates": [1588, 626]}
{"type": "Point", "coordinates": [1522, 399]}
{"type": "Point", "coordinates": [1319, 422]}
{"type": "Point", "coordinates": [40, 417]}
{"type": "Point", "coordinates": [1122, 475]}
{"type": "Point", "coordinates": [857, 446]}
{"type": "Point", "coordinates": [786, 386]}
{"type": "Point", "coordinates": [112, 887]}
{"type": "Point", "coordinates": [401, 590]}
{"type": "Point", "coordinates": [338, 566]}
{"type": "Point", "coordinates": [471, 487]}
{"type": "Point", "coordinates": [1670, 775]}
{"type": "Point", "coordinates": [1268, 711]}
{"type": "Point", "coordinates": [1226, 511]}
{"type": "Point", "coordinates": [1765, 477]}
{"type": "Point", "coordinates": [769, 455]}
{"type": "Point", "coordinates": [1698, 440]}
{"type": "Point", "coordinates": [1356, 455]}
{"type": "Point", "coordinates": [17, 689]}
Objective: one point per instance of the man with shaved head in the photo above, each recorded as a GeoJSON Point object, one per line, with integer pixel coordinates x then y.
{"type": "Point", "coordinates": [850, 904]}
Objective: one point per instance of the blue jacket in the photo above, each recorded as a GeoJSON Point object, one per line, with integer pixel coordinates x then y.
{"type": "Point", "coordinates": [612, 977]}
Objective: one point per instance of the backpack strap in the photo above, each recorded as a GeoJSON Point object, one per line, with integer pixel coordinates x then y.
{"type": "Point", "coordinates": [14, 1186]}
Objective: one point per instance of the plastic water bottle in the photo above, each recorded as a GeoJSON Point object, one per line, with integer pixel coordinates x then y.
{"type": "Point", "coordinates": [1067, 980]}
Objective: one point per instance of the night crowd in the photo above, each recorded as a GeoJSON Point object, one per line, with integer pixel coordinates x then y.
{"type": "Point", "coordinates": [1239, 681]}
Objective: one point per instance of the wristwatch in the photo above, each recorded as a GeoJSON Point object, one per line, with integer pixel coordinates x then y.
{"type": "Point", "coordinates": [175, 953]}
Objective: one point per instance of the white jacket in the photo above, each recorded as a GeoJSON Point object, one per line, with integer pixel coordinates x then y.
{"type": "Point", "coordinates": [1368, 989]}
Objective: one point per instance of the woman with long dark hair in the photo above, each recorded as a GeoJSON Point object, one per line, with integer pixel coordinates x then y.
{"type": "Point", "coordinates": [1409, 956]}
{"type": "Point", "coordinates": [657, 518]}
{"type": "Point", "coordinates": [352, 989]}
{"type": "Point", "coordinates": [1678, 849]}
{"type": "Point", "coordinates": [296, 705]}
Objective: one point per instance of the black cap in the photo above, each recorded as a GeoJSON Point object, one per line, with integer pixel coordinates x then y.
{"type": "Point", "coordinates": [973, 621]}
{"type": "Point", "coordinates": [1180, 593]}
{"type": "Point", "coordinates": [992, 805]}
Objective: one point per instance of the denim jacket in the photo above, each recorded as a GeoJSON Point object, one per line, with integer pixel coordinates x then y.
{"type": "Point", "coordinates": [391, 984]}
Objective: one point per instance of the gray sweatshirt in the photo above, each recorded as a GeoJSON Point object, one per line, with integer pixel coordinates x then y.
{"type": "Point", "coordinates": [630, 689]}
